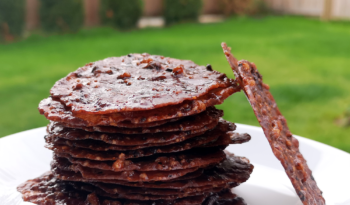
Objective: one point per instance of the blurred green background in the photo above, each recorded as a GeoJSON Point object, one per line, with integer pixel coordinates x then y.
{"type": "Point", "coordinates": [305, 61]}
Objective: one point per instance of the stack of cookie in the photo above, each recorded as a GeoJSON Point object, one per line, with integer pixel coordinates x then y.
{"type": "Point", "coordinates": [140, 129]}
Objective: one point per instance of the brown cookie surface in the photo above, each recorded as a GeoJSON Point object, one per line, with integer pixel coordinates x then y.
{"type": "Point", "coordinates": [57, 131]}
{"type": "Point", "coordinates": [165, 162]}
{"type": "Point", "coordinates": [48, 190]}
{"type": "Point", "coordinates": [66, 175]}
{"type": "Point", "coordinates": [284, 146]}
{"type": "Point", "coordinates": [129, 176]}
{"type": "Point", "coordinates": [56, 111]}
{"type": "Point", "coordinates": [122, 194]}
{"type": "Point", "coordinates": [225, 197]}
{"type": "Point", "coordinates": [97, 150]}
{"type": "Point", "coordinates": [139, 82]}
{"type": "Point", "coordinates": [118, 189]}
{"type": "Point", "coordinates": [233, 171]}
{"type": "Point", "coordinates": [193, 122]}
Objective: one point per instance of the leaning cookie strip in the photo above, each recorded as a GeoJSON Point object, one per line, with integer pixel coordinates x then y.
{"type": "Point", "coordinates": [283, 144]}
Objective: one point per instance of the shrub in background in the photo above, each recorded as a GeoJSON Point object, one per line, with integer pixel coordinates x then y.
{"type": "Point", "coordinates": [122, 14]}
{"type": "Point", "coordinates": [61, 15]}
{"type": "Point", "coordinates": [244, 7]}
{"type": "Point", "coordinates": [11, 18]}
{"type": "Point", "coordinates": [181, 10]}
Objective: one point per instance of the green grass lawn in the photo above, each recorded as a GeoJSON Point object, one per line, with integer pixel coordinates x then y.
{"type": "Point", "coordinates": [305, 62]}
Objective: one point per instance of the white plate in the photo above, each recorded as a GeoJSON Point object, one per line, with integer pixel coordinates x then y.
{"type": "Point", "coordinates": [23, 156]}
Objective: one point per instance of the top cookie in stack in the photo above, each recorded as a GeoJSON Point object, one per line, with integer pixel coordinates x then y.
{"type": "Point", "coordinates": [135, 91]}
{"type": "Point", "coordinates": [140, 129]}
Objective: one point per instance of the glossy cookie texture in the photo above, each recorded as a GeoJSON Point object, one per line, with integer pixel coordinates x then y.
{"type": "Point", "coordinates": [232, 171]}
{"type": "Point", "coordinates": [135, 82]}
{"type": "Point", "coordinates": [140, 129]}
{"type": "Point", "coordinates": [284, 146]}
{"type": "Point", "coordinates": [56, 111]}
{"type": "Point", "coordinates": [208, 117]}
{"type": "Point", "coordinates": [48, 190]}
